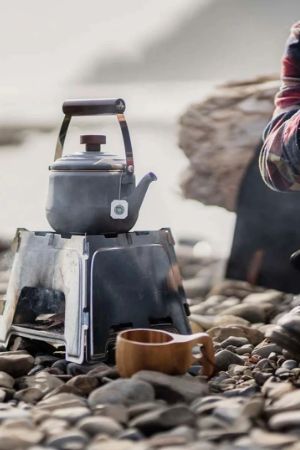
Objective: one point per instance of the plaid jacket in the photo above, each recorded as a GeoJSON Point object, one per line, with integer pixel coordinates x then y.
{"type": "Point", "coordinates": [280, 153]}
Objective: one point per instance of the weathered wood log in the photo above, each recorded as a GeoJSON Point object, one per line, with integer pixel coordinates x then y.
{"type": "Point", "coordinates": [219, 136]}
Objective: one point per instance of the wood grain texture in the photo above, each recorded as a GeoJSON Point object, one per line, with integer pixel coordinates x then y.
{"type": "Point", "coordinates": [148, 349]}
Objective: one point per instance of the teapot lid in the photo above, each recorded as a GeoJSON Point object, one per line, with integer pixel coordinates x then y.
{"type": "Point", "coordinates": [91, 159]}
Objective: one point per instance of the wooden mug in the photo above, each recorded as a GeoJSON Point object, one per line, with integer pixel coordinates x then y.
{"type": "Point", "coordinates": [148, 349]}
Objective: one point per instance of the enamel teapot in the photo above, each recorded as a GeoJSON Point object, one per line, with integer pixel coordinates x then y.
{"type": "Point", "coordinates": [91, 191]}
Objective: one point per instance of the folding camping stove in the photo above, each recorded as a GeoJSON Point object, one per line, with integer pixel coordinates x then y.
{"type": "Point", "coordinates": [80, 290]}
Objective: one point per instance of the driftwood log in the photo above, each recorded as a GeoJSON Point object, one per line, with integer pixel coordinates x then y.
{"type": "Point", "coordinates": [219, 136]}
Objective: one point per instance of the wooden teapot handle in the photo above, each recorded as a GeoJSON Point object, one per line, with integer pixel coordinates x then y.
{"type": "Point", "coordinates": [94, 107]}
{"type": "Point", "coordinates": [207, 358]}
{"type": "Point", "coordinates": [91, 108]}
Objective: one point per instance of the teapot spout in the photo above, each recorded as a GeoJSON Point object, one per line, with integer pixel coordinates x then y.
{"type": "Point", "coordinates": [137, 197]}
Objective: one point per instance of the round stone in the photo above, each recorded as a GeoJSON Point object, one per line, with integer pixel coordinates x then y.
{"type": "Point", "coordinates": [72, 414]}
{"type": "Point", "coordinates": [6, 380]}
{"type": "Point", "coordinates": [96, 425]}
{"type": "Point", "coordinates": [70, 439]}
{"type": "Point", "coordinates": [16, 363]}
{"type": "Point", "coordinates": [124, 391]}
{"type": "Point", "coordinates": [289, 419]}
{"type": "Point", "coordinates": [224, 358]}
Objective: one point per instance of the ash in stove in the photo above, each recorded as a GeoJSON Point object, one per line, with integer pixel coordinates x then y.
{"type": "Point", "coordinates": [41, 308]}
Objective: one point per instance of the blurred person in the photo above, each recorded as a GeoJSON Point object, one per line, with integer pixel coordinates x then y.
{"type": "Point", "coordinates": [280, 167]}
{"type": "Point", "coordinates": [267, 225]}
{"type": "Point", "coordinates": [279, 161]}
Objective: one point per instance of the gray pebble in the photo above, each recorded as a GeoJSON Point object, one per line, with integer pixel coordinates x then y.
{"type": "Point", "coordinates": [164, 419]}
{"type": "Point", "coordinates": [244, 349]}
{"type": "Point", "coordinates": [6, 380]}
{"type": "Point", "coordinates": [252, 313]}
{"type": "Point", "coordinates": [290, 364]}
{"type": "Point", "coordinates": [72, 414]}
{"type": "Point", "coordinates": [266, 350]}
{"type": "Point", "coordinates": [235, 341]}
{"type": "Point", "coordinates": [16, 363]}
{"type": "Point", "coordinates": [124, 391]}
{"type": "Point", "coordinates": [285, 420]}
{"type": "Point", "coordinates": [261, 377]}
{"type": "Point", "coordinates": [282, 373]}
{"type": "Point", "coordinates": [264, 364]}
{"type": "Point", "coordinates": [173, 388]}
{"type": "Point", "coordinates": [224, 358]}
{"type": "Point", "coordinates": [131, 434]}
{"type": "Point", "coordinates": [70, 439]}
{"type": "Point", "coordinates": [96, 425]}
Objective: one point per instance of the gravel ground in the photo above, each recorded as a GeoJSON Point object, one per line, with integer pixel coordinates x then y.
{"type": "Point", "coordinates": [252, 402]}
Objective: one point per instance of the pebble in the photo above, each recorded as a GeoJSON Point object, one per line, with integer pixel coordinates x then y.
{"type": "Point", "coordinates": [224, 358]}
{"type": "Point", "coordinates": [127, 392]}
{"type": "Point", "coordinates": [226, 320]}
{"type": "Point", "coordinates": [173, 388]}
{"type": "Point", "coordinates": [6, 380]}
{"type": "Point", "coordinates": [61, 364]}
{"type": "Point", "coordinates": [229, 410]}
{"type": "Point", "coordinates": [237, 370]}
{"type": "Point", "coordinates": [285, 420]}
{"type": "Point", "coordinates": [16, 363]}
{"type": "Point", "coordinates": [269, 296]}
{"type": "Point", "coordinates": [119, 413]}
{"type": "Point", "coordinates": [252, 313]}
{"type": "Point", "coordinates": [275, 390]}
{"type": "Point", "coordinates": [253, 408]}
{"type": "Point", "coordinates": [22, 438]}
{"type": "Point", "coordinates": [237, 341]}
{"type": "Point", "coordinates": [52, 426]}
{"type": "Point", "coordinates": [113, 444]}
{"type": "Point", "coordinates": [244, 349]}
{"type": "Point", "coordinates": [205, 404]}
{"type": "Point", "coordinates": [266, 439]}
{"type": "Point", "coordinates": [133, 434]}
{"type": "Point", "coordinates": [291, 321]}
{"type": "Point", "coordinates": [72, 414]}
{"type": "Point", "coordinates": [64, 400]}
{"type": "Point", "coordinates": [29, 395]}
{"type": "Point", "coordinates": [282, 373]}
{"type": "Point", "coordinates": [164, 419]}
{"type": "Point", "coordinates": [205, 322]}
{"type": "Point", "coordinates": [289, 364]}
{"type": "Point", "coordinates": [253, 335]}
{"type": "Point", "coordinates": [265, 350]}
{"type": "Point", "coordinates": [83, 384]}
{"type": "Point", "coordinates": [143, 408]}
{"type": "Point", "coordinates": [96, 425]}
{"type": "Point", "coordinates": [261, 377]}
{"type": "Point", "coordinates": [43, 381]}
{"type": "Point", "coordinates": [13, 413]}
{"type": "Point", "coordinates": [286, 402]}
{"type": "Point", "coordinates": [181, 435]}
{"type": "Point", "coordinates": [234, 288]}
{"type": "Point", "coordinates": [69, 440]}
{"type": "Point", "coordinates": [247, 391]}
{"type": "Point", "coordinates": [265, 364]}
{"type": "Point", "coordinates": [3, 395]}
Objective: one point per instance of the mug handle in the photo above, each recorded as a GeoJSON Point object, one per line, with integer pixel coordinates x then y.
{"type": "Point", "coordinates": [207, 358]}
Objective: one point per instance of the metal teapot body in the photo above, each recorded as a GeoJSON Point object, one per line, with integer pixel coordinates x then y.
{"type": "Point", "coordinates": [93, 192]}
